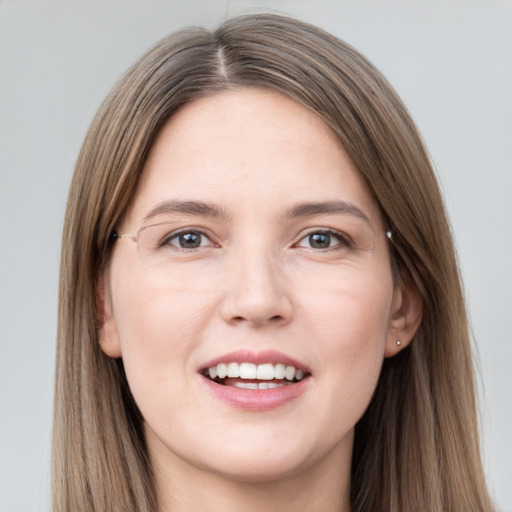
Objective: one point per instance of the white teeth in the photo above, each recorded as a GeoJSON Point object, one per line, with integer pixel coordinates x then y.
{"type": "Point", "coordinates": [246, 385]}
{"type": "Point", "coordinates": [259, 385]}
{"type": "Point", "coordinates": [289, 373]}
{"type": "Point", "coordinates": [250, 371]}
{"type": "Point", "coordinates": [247, 371]}
{"type": "Point", "coordinates": [265, 372]}
{"type": "Point", "coordinates": [222, 370]}
{"type": "Point", "coordinates": [233, 370]}
{"type": "Point", "coordinates": [279, 371]}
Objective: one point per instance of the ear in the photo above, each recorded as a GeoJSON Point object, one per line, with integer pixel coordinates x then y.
{"type": "Point", "coordinates": [406, 315]}
{"type": "Point", "coordinates": [108, 337]}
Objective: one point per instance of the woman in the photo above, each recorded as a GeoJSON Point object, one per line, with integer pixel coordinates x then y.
{"type": "Point", "coordinates": [260, 303]}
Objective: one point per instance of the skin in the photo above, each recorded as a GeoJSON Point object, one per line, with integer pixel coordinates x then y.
{"type": "Point", "coordinates": [256, 283]}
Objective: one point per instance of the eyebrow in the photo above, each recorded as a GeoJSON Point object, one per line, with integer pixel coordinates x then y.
{"type": "Point", "coordinates": [197, 208]}
{"type": "Point", "coordinates": [200, 208]}
{"type": "Point", "coordinates": [327, 207]}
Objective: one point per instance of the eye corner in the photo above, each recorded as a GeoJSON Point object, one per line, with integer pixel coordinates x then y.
{"type": "Point", "coordinates": [186, 239]}
{"type": "Point", "coordinates": [189, 239]}
{"type": "Point", "coordinates": [322, 240]}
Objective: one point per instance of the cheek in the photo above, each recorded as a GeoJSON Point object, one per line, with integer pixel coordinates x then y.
{"type": "Point", "coordinates": [153, 314]}
{"type": "Point", "coordinates": [352, 312]}
{"type": "Point", "coordinates": [159, 329]}
{"type": "Point", "coordinates": [350, 323]}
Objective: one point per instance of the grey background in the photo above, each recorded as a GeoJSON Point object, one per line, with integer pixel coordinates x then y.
{"type": "Point", "coordinates": [450, 61]}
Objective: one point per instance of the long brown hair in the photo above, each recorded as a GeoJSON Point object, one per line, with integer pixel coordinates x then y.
{"type": "Point", "coordinates": [416, 447]}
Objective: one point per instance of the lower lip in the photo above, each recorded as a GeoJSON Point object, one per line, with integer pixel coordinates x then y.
{"type": "Point", "coordinates": [256, 399]}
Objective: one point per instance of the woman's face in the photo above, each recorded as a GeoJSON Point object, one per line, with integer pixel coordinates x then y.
{"type": "Point", "coordinates": [262, 252]}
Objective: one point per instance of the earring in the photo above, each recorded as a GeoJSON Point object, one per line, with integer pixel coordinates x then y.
{"type": "Point", "coordinates": [398, 343]}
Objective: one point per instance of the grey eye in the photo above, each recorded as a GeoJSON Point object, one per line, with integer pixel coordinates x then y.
{"type": "Point", "coordinates": [324, 240]}
{"type": "Point", "coordinates": [189, 240]}
{"type": "Point", "coordinates": [319, 240]}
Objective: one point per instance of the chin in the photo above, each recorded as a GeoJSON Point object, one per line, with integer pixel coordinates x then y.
{"type": "Point", "coordinates": [260, 468]}
{"type": "Point", "coordinates": [272, 455]}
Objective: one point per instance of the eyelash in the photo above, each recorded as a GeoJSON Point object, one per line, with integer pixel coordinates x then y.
{"type": "Point", "coordinates": [343, 240]}
{"type": "Point", "coordinates": [166, 241]}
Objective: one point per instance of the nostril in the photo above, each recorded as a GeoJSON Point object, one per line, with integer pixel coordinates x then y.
{"type": "Point", "coordinates": [276, 319]}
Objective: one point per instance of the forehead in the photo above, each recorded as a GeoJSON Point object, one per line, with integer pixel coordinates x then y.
{"type": "Point", "coordinates": [248, 148]}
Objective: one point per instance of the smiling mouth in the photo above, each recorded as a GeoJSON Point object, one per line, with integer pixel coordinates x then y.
{"type": "Point", "coordinates": [252, 376]}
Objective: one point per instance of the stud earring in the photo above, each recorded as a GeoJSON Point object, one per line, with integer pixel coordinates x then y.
{"type": "Point", "coordinates": [398, 343]}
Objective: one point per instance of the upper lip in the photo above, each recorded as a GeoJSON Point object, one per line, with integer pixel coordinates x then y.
{"type": "Point", "coordinates": [262, 357]}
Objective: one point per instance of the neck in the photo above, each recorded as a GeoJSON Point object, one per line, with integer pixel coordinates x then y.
{"type": "Point", "coordinates": [182, 487]}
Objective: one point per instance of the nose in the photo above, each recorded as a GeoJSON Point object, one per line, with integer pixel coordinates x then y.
{"type": "Point", "coordinates": [256, 292]}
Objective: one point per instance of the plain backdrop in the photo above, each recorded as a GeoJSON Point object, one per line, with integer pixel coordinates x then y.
{"type": "Point", "coordinates": [450, 61]}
